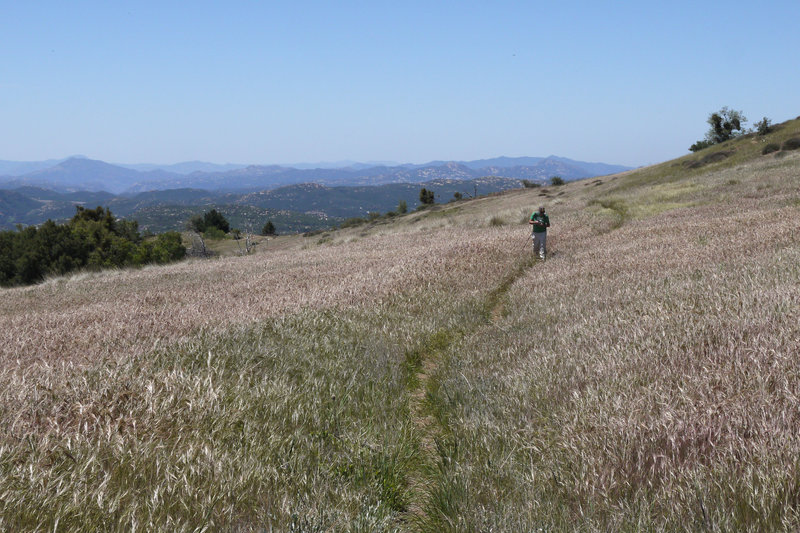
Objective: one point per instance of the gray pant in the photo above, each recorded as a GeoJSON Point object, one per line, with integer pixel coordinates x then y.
{"type": "Point", "coordinates": [539, 243]}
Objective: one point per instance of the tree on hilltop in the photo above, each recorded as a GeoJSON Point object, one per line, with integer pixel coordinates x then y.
{"type": "Point", "coordinates": [725, 124]}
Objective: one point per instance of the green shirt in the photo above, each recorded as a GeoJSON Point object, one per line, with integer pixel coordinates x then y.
{"type": "Point", "coordinates": [544, 219]}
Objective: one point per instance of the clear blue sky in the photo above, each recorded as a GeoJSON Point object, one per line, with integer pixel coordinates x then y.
{"type": "Point", "coordinates": [279, 82]}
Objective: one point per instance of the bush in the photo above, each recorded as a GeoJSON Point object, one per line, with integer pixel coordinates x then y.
{"type": "Point", "coordinates": [214, 232]}
{"type": "Point", "coordinates": [556, 180]}
{"type": "Point", "coordinates": [426, 197]}
{"type": "Point", "coordinates": [791, 144]}
{"type": "Point", "coordinates": [700, 145]}
{"type": "Point", "coordinates": [402, 207]}
{"type": "Point", "coordinates": [528, 184]}
{"type": "Point", "coordinates": [93, 239]}
{"type": "Point", "coordinates": [352, 222]}
{"type": "Point", "coordinates": [764, 126]}
{"type": "Point", "coordinates": [771, 147]}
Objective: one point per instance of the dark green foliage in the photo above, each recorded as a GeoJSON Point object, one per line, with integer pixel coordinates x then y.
{"type": "Point", "coordinates": [426, 197]}
{"type": "Point", "coordinates": [457, 195]}
{"type": "Point", "coordinates": [700, 145]}
{"type": "Point", "coordinates": [92, 239]}
{"type": "Point", "coordinates": [771, 147]}
{"type": "Point", "coordinates": [402, 207]}
{"type": "Point", "coordinates": [791, 144]}
{"type": "Point", "coordinates": [764, 126]}
{"type": "Point", "coordinates": [556, 180]}
{"type": "Point", "coordinates": [268, 229]}
{"type": "Point", "coordinates": [528, 184]}
{"type": "Point", "coordinates": [725, 124]}
{"type": "Point", "coordinates": [210, 219]}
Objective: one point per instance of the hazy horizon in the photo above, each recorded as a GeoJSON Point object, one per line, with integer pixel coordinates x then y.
{"type": "Point", "coordinates": [317, 82]}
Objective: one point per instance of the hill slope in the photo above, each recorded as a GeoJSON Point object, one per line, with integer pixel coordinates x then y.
{"type": "Point", "coordinates": [425, 374]}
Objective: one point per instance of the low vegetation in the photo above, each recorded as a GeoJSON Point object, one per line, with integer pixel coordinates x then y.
{"type": "Point", "coordinates": [93, 239]}
{"type": "Point", "coordinates": [426, 374]}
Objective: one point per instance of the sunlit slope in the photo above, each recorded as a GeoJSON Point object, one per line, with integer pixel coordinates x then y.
{"type": "Point", "coordinates": [425, 374]}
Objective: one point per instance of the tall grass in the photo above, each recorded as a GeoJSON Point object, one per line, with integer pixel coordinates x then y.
{"type": "Point", "coordinates": [428, 375]}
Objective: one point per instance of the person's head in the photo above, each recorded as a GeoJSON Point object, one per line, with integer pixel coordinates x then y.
{"type": "Point", "coordinates": [541, 209]}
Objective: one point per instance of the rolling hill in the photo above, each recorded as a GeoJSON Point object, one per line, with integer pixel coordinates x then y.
{"type": "Point", "coordinates": [424, 373]}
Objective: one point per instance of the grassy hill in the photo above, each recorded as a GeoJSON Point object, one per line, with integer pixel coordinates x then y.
{"type": "Point", "coordinates": [425, 374]}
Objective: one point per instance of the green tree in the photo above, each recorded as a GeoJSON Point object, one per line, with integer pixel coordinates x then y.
{"type": "Point", "coordinates": [426, 197]}
{"type": "Point", "coordinates": [93, 238]}
{"type": "Point", "coordinates": [214, 219]}
{"type": "Point", "coordinates": [402, 207]}
{"type": "Point", "coordinates": [556, 180]}
{"type": "Point", "coordinates": [268, 229]}
{"type": "Point", "coordinates": [725, 124]}
{"type": "Point", "coordinates": [211, 219]}
{"type": "Point", "coordinates": [764, 126]}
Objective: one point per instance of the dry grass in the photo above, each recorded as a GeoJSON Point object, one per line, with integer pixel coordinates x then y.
{"type": "Point", "coordinates": [643, 378]}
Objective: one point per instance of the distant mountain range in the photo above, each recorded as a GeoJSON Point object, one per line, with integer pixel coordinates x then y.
{"type": "Point", "coordinates": [292, 208]}
{"type": "Point", "coordinates": [83, 174]}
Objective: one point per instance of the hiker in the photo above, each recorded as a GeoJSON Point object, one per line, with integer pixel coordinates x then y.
{"type": "Point", "coordinates": [540, 222]}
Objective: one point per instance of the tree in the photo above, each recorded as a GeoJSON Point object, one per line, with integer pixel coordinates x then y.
{"type": "Point", "coordinates": [268, 229]}
{"type": "Point", "coordinates": [725, 124]}
{"type": "Point", "coordinates": [556, 180]}
{"type": "Point", "coordinates": [215, 219]}
{"type": "Point", "coordinates": [764, 126]}
{"type": "Point", "coordinates": [211, 219]}
{"type": "Point", "coordinates": [457, 196]}
{"type": "Point", "coordinates": [402, 207]}
{"type": "Point", "coordinates": [426, 197]}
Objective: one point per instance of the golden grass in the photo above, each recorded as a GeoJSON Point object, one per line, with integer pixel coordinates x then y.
{"type": "Point", "coordinates": [643, 378]}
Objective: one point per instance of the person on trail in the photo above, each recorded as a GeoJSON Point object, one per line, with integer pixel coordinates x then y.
{"type": "Point", "coordinates": [540, 222]}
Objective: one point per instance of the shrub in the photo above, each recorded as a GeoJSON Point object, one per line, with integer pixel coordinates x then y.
{"type": "Point", "coordinates": [764, 126]}
{"type": "Point", "coordinates": [791, 144]}
{"type": "Point", "coordinates": [528, 184]}
{"type": "Point", "coordinates": [426, 197]}
{"type": "Point", "coordinates": [771, 147]}
{"type": "Point", "coordinates": [214, 232]}
{"type": "Point", "coordinates": [700, 145]}
{"type": "Point", "coordinates": [352, 222]}
{"type": "Point", "coordinates": [556, 180]}
{"type": "Point", "coordinates": [402, 207]}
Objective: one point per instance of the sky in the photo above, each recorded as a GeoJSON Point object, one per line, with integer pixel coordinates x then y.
{"type": "Point", "coordinates": [259, 82]}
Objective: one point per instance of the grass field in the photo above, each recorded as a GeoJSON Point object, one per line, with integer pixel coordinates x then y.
{"type": "Point", "coordinates": [426, 374]}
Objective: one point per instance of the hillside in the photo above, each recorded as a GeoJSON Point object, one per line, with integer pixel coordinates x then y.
{"type": "Point", "coordinates": [425, 374]}
{"type": "Point", "coordinates": [293, 208]}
